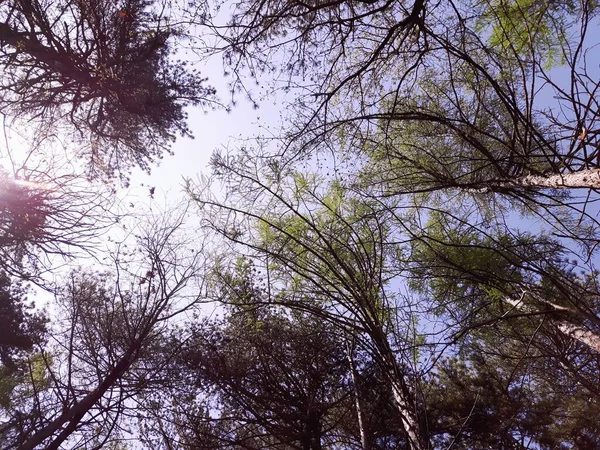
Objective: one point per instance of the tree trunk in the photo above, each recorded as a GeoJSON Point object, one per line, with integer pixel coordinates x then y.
{"type": "Point", "coordinates": [581, 334]}
{"type": "Point", "coordinates": [316, 434]}
{"type": "Point", "coordinates": [406, 410]}
{"type": "Point", "coordinates": [404, 400]}
{"type": "Point", "coordinates": [311, 431]}
{"type": "Point", "coordinates": [584, 179]}
{"type": "Point", "coordinates": [359, 413]}
{"type": "Point", "coordinates": [74, 414]}
{"type": "Point", "coordinates": [589, 178]}
{"type": "Point", "coordinates": [574, 331]}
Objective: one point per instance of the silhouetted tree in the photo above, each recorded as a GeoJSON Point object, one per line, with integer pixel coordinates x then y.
{"type": "Point", "coordinates": [321, 245]}
{"type": "Point", "coordinates": [42, 216]}
{"type": "Point", "coordinates": [102, 360]}
{"type": "Point", "coordinates": [105, 68]}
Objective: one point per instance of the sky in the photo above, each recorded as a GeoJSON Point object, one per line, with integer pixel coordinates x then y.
{"type": "Point", "coordinates": [212, 130]}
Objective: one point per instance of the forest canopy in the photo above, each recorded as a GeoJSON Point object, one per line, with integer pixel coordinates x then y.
{"type": "Point", "coordinates": [409, 260]}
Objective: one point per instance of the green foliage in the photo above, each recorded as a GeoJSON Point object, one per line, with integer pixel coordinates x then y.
{"type": "Point", "coordinates": [388, 304]}
{"type": "Point", "coordinates": [455, 260]}
{"type": "Point", "coordinates": [526, 27]}
{"type": "Point", "coordinates": [279, 379]}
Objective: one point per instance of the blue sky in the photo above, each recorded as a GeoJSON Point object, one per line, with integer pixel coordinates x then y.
{"type": "Point", "coordinates": [212, 130]}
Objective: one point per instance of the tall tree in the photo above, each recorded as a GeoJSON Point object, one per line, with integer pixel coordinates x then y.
{"type": "Point", "coordinates": [105, 68]}
{"type": "Point", "coordinates": [473, 76]}
{"type": "Point", "coordinates": [279, 382]}
{"type": "Point", "coordinates": [22, 326]}
{"type": "Point", "coordinates": [264, 376]}
{"type": "Point", "coordinates": [103, 356]}
{"type": "Point", "coordinates": [476, 272]}
{"type": "Point", "coordinates": [479, 97]}
{"type": "Point", "coordinates": [318, 242]}
{"type": "Point", "coordinates": [508, 401]}
{"type": "Point", "coordinates": [22, 331]}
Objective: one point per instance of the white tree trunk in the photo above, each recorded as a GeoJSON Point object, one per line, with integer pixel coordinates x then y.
{"type": "Point", "coordinates": [582, 334]}
{"type": "Point", "coordinates": [589, 178]}
{"type": "Point", "coordinates": [359, 412]}
{"type": "Point", "coordinates": [584, 179]}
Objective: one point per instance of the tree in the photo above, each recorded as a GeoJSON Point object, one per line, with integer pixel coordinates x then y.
{"type": "Point", "coordinates": [22, 329]}
{"type": "Point", "coordinates": [318, 242]}
{"type": "Point", "coordinates": [21, 326]}
{"type": "Point", "coordinates": [485, 400]}
{"type": "Point", "coordinates": [524, 324]}
{"type": "Point", "coordinates": [279, 382]}
{"type": "Point", "coordinates": [106, 69]}
{"type": "Point", "coordinates": [104, 360]}
{"type": "Point", "coordinates": [478, 273]}
{"type": "Point", "coordinates": [268, 377]}
{"type": "Point", "coordinates": [468, 271]}
{"type": "Point", "coordinates": [429, 98]}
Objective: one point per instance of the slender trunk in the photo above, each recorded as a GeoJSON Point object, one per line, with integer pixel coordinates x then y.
{"type": "Point", "coordinates": [574, 331]}
{"type": "Point", "coordinates": [404, 399]}
{"type": "Point", "coordinates": [359, 413]}
{"type": "Point", "coordinates": [589, 178]}
{"type": "Point", "coordinates": [311, 431]}
{"type": "Point", "coordinates": [581, 334]}
{"type": "Point", "coordinates": [315, 433]}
